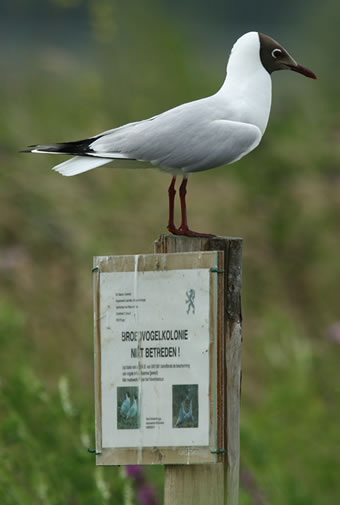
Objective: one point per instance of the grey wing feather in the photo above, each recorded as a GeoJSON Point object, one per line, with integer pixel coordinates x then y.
{"type": "Point", "coordinates": [188, 137]}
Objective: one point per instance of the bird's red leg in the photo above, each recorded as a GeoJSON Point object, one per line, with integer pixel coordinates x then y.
{"type": "Point", "coordinates": [172, 192]}
{"type": "Point", "coordinates": [182, 194]}
{"type": "Point", "coordinates": [184, 228]}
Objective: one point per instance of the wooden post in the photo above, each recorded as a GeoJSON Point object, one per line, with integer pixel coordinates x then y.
{"type": "Point", "coordinates": [214, 484]}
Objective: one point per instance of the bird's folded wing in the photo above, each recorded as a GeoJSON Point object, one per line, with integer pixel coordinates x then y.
{"type": "Point", "coordinates": [187, 143]}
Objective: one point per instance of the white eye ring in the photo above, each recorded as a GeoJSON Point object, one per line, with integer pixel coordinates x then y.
{"type": "Point", "coordinates": [276, 53]}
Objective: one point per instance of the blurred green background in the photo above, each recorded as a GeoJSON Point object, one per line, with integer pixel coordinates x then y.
{"type": "Point", "coordinates": [73, 68]}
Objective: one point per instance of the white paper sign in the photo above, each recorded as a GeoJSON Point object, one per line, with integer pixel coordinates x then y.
{"type": "Point", "coordinates": [155, 358]}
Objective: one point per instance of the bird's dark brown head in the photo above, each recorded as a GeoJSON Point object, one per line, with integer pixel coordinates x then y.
{"type": "Point", "coordinates": [275, 57]}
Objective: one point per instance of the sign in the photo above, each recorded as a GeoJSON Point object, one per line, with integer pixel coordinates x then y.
{"type": "Point", "coordinates": [158, 376]}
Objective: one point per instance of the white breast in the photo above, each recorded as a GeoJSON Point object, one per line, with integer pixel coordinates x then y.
{"type": "Point", "coordinates": [247, 89]}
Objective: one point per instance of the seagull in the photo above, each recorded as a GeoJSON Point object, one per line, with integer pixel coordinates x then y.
{"type": "Point", "coordinates": [181, 415]}
{"type": "Point", "coordinates": [125, 405]}
{"type": "Point", "coordinates": [132, 412]}
{"type": "Point", "coordinates": [196, 136]}
{"type": "Point", "coordinates": [188, 415]}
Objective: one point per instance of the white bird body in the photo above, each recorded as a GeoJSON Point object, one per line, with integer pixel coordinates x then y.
{"type": "Point", "coordinates": [125, 405]}
{"type": "Point", "coordinates": [181, 414]}
{"type": "Point", "coordinates": [184, 415]}
{"type": "Point", "coordinates": [188, 415]}
{"type": "Point", "coordinates": [195, 136]}
{"type": "Point", "coordinates": [132, 412]}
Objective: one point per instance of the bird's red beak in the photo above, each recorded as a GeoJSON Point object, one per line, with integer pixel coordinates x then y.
{"type": "Point", "coordinates": [303, 70]}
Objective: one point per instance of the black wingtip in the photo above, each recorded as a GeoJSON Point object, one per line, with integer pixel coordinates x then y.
{"type": "Point", "coordinates": [29, 149]}
{"type": "Point", "coordinates": [79, 147]}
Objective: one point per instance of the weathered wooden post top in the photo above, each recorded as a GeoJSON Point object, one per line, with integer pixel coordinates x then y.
{"type": "Point", "coordinates": [167, 364]}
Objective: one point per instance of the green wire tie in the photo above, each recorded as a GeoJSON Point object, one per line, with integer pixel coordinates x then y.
{"type": "Point", "coordinates": [93, 451]}
{"type": "Point", "coordinates": [95, 269]}
{"type": "Point", "coordinates": [218, 451]}
{"type": "Point", "coordinates": [216, 270]}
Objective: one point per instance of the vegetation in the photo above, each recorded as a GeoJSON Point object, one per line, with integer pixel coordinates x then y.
{"type": "Point", "coordinates": [283, 199]}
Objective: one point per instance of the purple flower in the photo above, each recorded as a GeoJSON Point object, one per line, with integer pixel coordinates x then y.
{"type": "Point", "coordinates": [333, 332]}
{"type": "Point", "coordinates": [135, 472]}
{"type": "Point", "coordinates": [144, 492]}
{"type": "Point", "coordinates": [146, 495]}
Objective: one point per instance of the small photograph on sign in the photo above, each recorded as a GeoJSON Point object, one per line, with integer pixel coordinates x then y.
{"type": "Point", "coordinates": [185, 406]}
{"type": "Point", "coordinates": [127, 408]}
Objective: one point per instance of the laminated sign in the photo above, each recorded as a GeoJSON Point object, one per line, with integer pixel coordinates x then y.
{"type": "Point", "coordinates": [159, 360]}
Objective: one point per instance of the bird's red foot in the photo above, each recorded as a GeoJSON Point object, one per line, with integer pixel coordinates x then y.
{"type": "Point", "coordinates": [190, 233]}
{"type": "Point", "coordinates": [172, 229]}
{"type": "Point", "coordinates": [185, 231]}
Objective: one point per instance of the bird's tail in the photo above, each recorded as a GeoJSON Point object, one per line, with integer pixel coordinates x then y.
{"type": "Point", "coordinates": [79, 147]}
{"type": "Point", "coordinates": [83, 160]}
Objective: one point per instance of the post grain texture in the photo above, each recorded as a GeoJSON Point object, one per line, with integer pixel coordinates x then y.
{"type": "Point", "coordinates": [214, 484]}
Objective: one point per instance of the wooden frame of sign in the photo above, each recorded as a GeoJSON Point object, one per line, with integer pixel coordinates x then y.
{"type": "Point", "coordinates": [155, 266]}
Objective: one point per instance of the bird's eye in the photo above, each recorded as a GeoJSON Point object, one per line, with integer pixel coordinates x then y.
{"type": "Point", "coordinates": [276, 53]}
